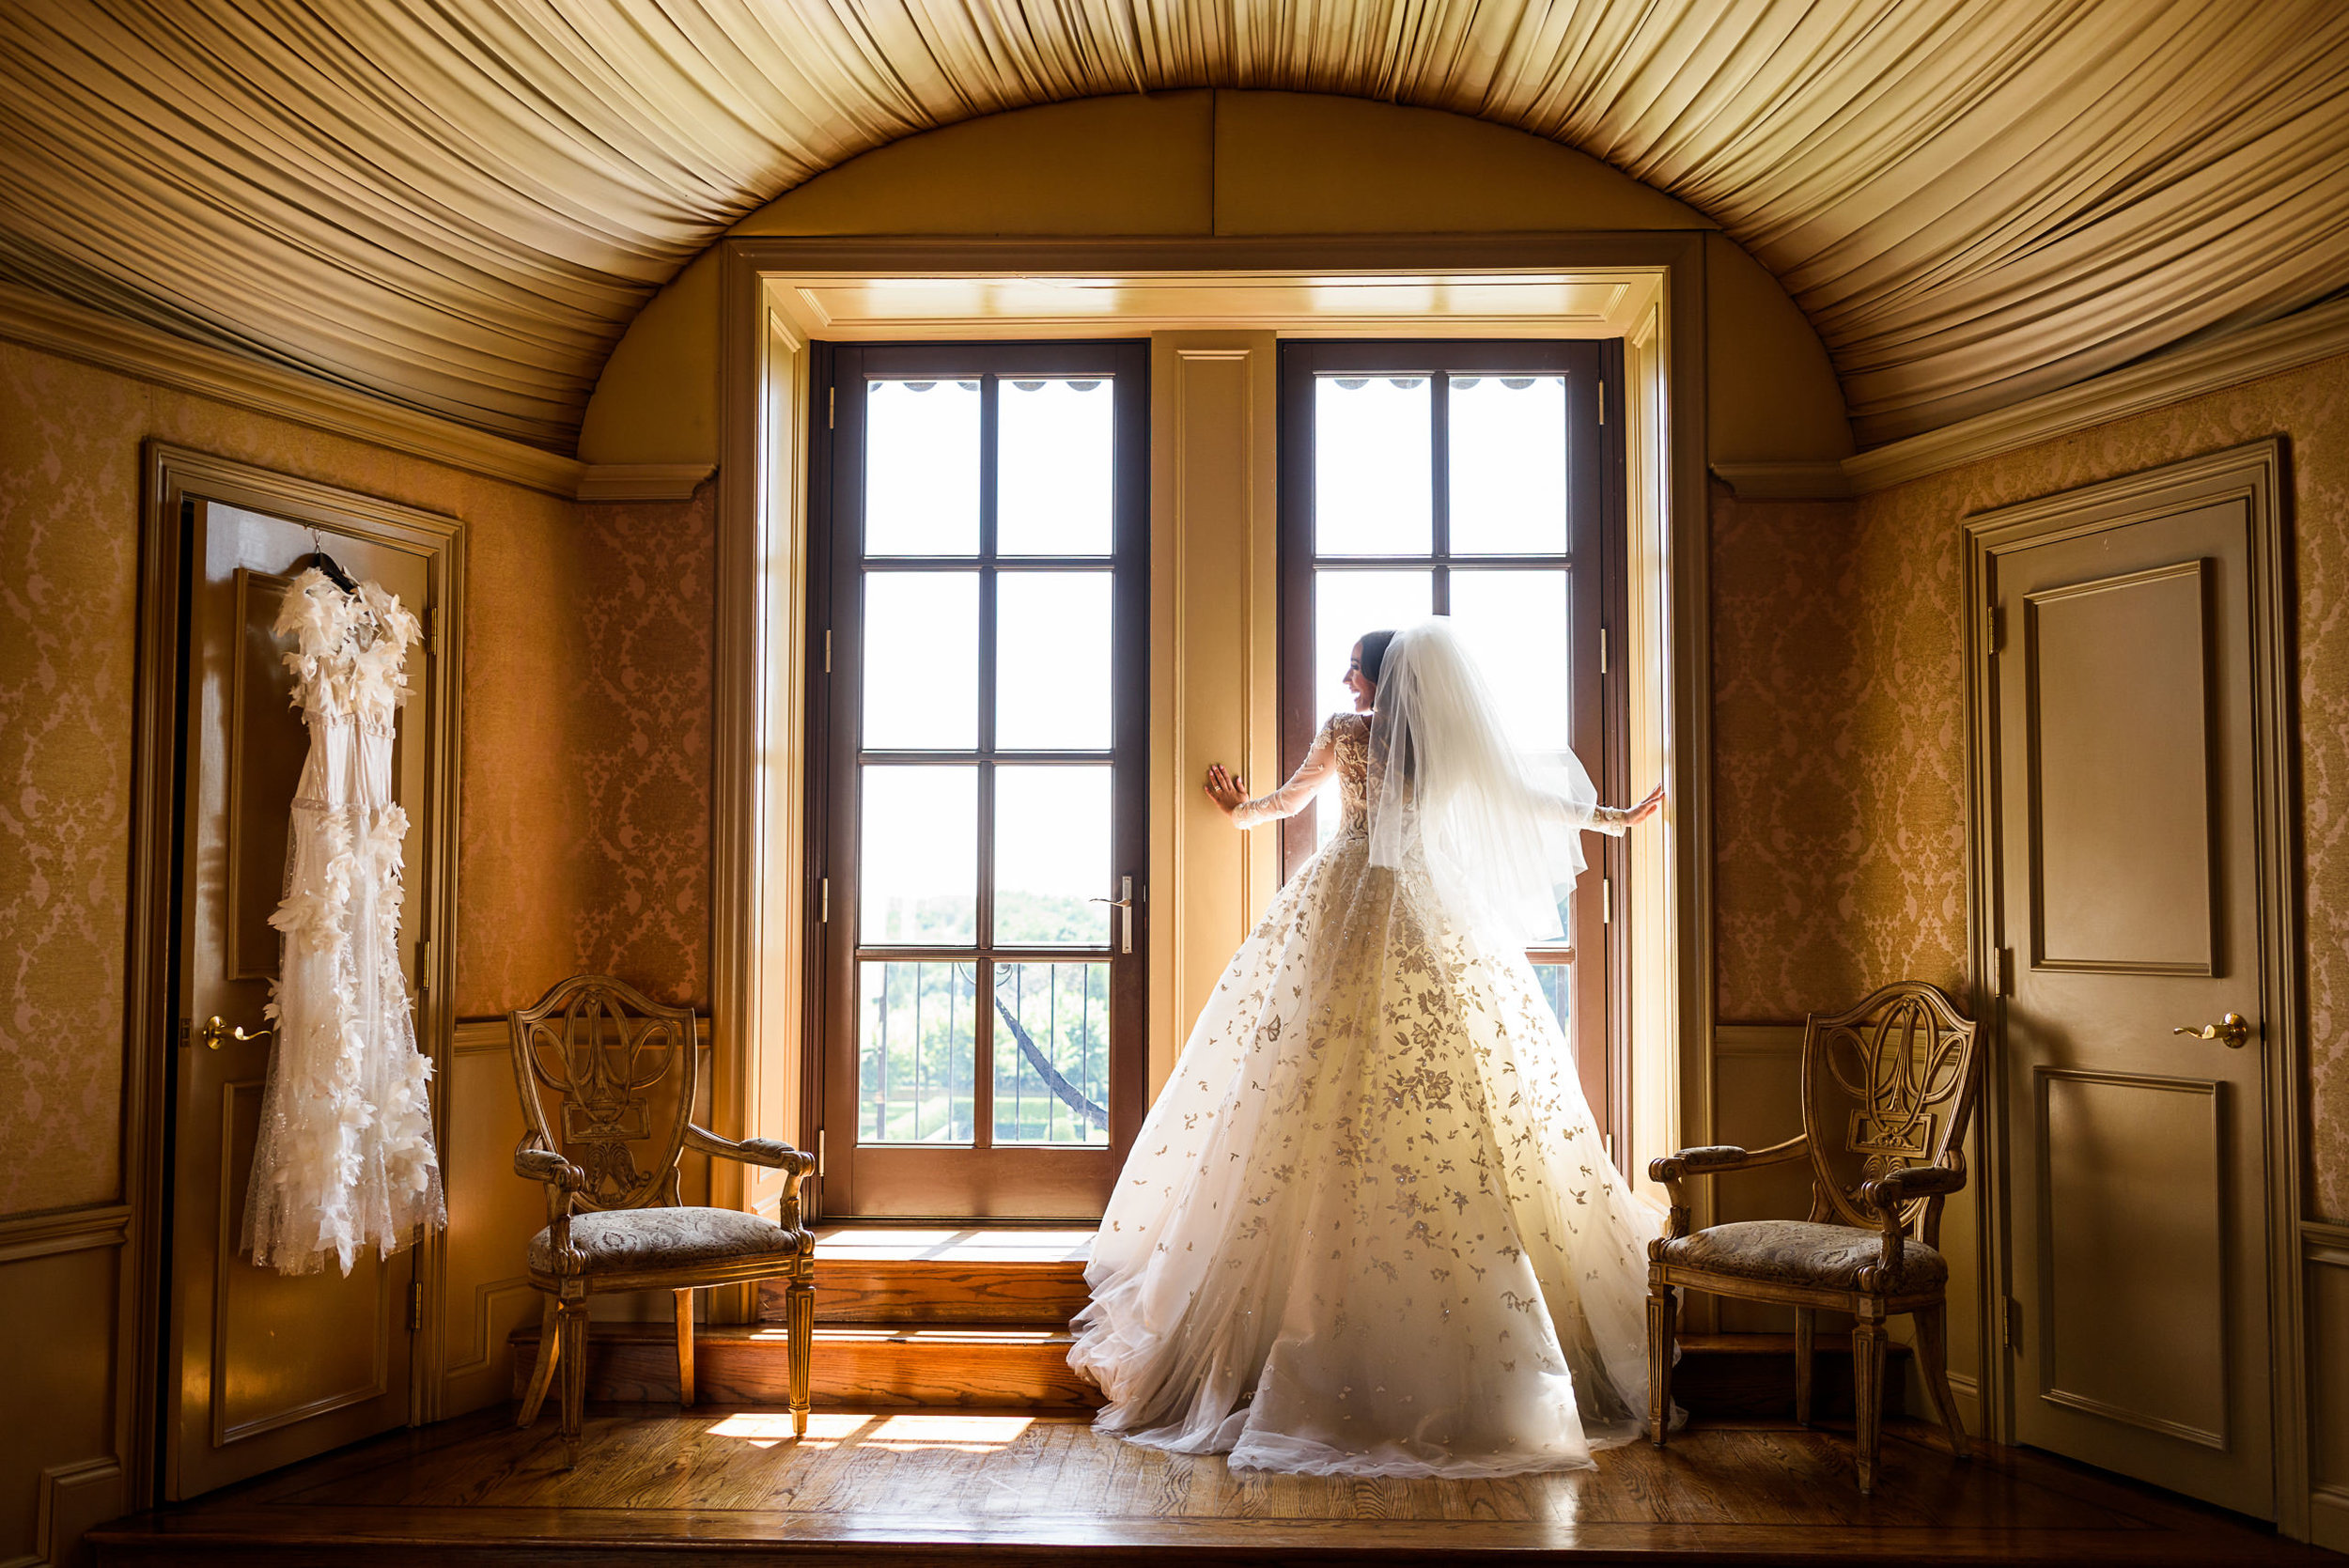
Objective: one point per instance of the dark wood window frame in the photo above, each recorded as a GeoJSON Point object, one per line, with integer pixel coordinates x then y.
{"type": "Point", "coordinates": [1596, 537]}
{"type": "Point", "coordinates": [944, 1182]}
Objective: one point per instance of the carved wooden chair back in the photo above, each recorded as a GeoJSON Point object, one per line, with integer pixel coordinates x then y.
{"type": "Point", "coordinates": [1891, 1083]}
{"type": "Point", "coordinates": [621, 1071]}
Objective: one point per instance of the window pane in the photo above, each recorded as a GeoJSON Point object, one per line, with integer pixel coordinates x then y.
{"type": "Point", "coordinates": [1371, 468]}
{"type": "Point", "coordinates": [1051, 1053]}
{"type": "Point", "coordinates": [1508, 465]}
{"type": "Point", "coordinates": [1557, 984]}
{"type": "Point", "coordinates": [916, 1052]}
{"type": "Point", "coordinates": [922, 468]}
{"type": "Point", "coordinates": [1052, 855]}
{"type": "Point", "coordinates": [1345, 605]}
{"type": "Point", "coordinates": [1053, 456]}
{"type": "Point", "coordinates": [1515, 624]}
{"type": "Point", "coordinates": [919, 872]}
{"type": "Point", "coordinates": [1053, 661]}
{"type": "Point", "coordinates": [921, 660]}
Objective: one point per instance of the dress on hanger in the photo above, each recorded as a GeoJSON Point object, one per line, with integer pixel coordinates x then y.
{"type": "Point", "coordinates": [345, 1158]}
{"type": "Point", "coordinates": [1369, 1227]}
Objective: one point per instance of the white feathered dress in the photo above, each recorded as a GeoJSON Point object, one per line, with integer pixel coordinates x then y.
{"type": "Point", "coordinates": [345, 1160]}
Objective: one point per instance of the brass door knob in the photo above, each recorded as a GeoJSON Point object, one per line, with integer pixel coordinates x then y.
{"type": "Point", "coordinates": [2234, 1029]}
{"type": "Point", "coordinates": [215, 1031]}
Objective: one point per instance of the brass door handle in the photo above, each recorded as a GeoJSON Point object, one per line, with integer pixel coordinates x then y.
{"type": "Point", "coordinates": [215, 1031]}
{"type": "Point", "coordinates": [2234, 1029]}
{"type": "Point", "coordinates": [1125, 908]}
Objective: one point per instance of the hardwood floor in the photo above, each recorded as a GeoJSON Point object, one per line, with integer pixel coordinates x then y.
{"type": "Point", "coordinates": [900, 1486]}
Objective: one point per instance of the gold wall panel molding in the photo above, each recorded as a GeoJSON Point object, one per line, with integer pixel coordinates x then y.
{"type": "Point", "coordinates": [641, 481]}
{"type": "Point", "coordinates": [61, 327]}
{"type": "Point", "coordinates": [1786, 481]}
{"type": "Point", "coordinates": [37, 1235]}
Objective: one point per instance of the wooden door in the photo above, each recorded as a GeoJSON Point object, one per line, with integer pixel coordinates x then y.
{"type": "Point", "coordinates": [2126, 729]}
{"type": "Point", "coordinates": [263, 1369]}
{"type": "Point", "coordinates": [983, 809]}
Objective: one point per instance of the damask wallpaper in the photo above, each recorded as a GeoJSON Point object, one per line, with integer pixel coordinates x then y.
{"type": "Point", "coordinates": [641, 689]}
{"type": "Point", "coordinates": [1839, 759]}
{"type": "Point", "coordinates": [1840, 708]}
{"type": "Point", "coordinates": [532, 852]}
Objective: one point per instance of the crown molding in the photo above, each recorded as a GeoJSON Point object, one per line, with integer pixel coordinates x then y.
{"type": "Point", "coordinates": [1820, 481]}
{"type": "Point", "coordinates": [2303, 337]}
{"type": "Point", "coordinates": [641, 481]}
{"type": "Point", "coordinates": [75, 332]}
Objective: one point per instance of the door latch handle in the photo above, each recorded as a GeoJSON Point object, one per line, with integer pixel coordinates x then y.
{"type": "Point", "coordinates": [1124, 905]}
{"type": "Point", "coordinates": [215, 1031]}
{"type": "Point", "coordinates": [2234, 1029]}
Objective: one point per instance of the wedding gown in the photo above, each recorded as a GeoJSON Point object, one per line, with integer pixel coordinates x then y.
{"type": "Point", "coordinates": [1369, 1228]}
{"type": "Point", "coordinates": [345, 1158]}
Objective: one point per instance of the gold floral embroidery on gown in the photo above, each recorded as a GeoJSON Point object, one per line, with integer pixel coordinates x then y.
{"type": "Point", "coordinates": [1369, 1227]}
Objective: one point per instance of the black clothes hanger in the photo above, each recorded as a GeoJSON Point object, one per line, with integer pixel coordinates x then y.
{"type": "Point", "coordinates": [326, 563]}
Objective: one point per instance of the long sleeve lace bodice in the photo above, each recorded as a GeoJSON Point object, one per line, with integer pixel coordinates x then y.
{"type": "Point", "coordinates": [1342, 751]}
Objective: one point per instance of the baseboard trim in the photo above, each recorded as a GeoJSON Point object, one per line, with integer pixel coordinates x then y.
{"type": "Point", "coordinates": [2328, 1518]}
{"type": "Point", "coordinates": [2301, 338]}
{"type": "Point", "coordinates": [128, 347]}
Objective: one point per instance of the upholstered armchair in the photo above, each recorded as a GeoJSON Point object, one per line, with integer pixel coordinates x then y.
{"type": "Point", "coordinates": [1887, 1090]}
{"type": "Point", "coordinates": [621, 1071]}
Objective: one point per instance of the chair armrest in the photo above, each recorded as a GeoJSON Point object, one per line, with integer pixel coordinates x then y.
{"type": "Point", "coordinates": [1896, 1187]}
{"type": "Point", "coordinates": [1713, 1159]}
{"type": "Point", "coordinates": [771, 1153]}
{"type": "Point", "coordinates": [1887, 1193]}
{"type": "Point", "coordinates": [533, 1162]}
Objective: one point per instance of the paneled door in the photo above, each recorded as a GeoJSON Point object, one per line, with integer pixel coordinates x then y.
{"type": "Point", "coordinates": [981, 817]}
{"type": "Point", "coordinates": [2126, 729]}
{"type": "Point", "coordinates": [263, 1369]}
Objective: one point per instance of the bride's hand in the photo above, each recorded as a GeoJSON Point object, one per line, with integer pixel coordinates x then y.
{"type": "Point", "coordinates": [1224, 790]}
{"type": "Point", "coordinates": [1647, 808]}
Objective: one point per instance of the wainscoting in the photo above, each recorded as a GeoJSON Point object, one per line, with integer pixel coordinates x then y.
{"type": "Point", "coordinates": [60, 1288]}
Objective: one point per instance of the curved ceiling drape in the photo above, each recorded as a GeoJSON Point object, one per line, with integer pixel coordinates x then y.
{"type": "Point", "coordinates": [458, 204]}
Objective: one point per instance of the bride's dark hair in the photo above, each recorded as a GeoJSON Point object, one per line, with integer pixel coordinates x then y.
{"type": "Point", "coordinates": [1375, 653]}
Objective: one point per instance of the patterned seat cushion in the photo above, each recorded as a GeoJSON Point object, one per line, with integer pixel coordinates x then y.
{"type": "Point", "coordinates": [1797, 1253]}
{"type": "Point", "coordinates": [630, 1240]}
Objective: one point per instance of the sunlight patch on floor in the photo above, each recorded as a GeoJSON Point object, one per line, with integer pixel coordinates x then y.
{"type": "Point", "coordinates": [957, 1432]}
{"type": "Point", "coordinates": [765, 1430]}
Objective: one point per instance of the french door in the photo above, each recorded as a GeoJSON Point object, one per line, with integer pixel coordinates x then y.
{"type": "Point", "coordinates": [1479, 481]}
{"type": "Point", "coordinates": [981, 820]}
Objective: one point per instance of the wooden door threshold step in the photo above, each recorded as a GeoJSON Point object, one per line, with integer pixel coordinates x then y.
{"type": "Point", "coordinates": [944, 1275]}
{"type": "Point", "coordinates": [966, 1365]}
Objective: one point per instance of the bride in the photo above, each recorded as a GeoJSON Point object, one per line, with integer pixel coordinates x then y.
{"type": "Point", "coordinates": [1369, 1228]}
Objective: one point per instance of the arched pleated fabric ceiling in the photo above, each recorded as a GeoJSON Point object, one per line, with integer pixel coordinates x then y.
{"type": "Point", "coordinates": [460, 204]}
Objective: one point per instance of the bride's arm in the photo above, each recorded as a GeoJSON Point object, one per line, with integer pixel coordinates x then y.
{"type": "Point", "coordinates": [1320, 764]}
{"type": "Point", "coordinates": [1615, 822]}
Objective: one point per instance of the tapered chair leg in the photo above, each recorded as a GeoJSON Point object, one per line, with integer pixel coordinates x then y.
{"type": "Point", "coordinates": [574, 1367]}
{"type": "Point", "coordinates": [799, 1322]}
{"type": "Point", "coordinates": [1932, 1360]}
{"type": "Point", "coordinates": [685, 1348]}
{"type": "Point", "coordinates": [1867, 1378]}
{"type": "Point", "coordinates": [543, 1373]}
{"type": "Point", "coordinates": [1663, 1322]}
{"type": "Point", "coordinates": [1806, 1337]}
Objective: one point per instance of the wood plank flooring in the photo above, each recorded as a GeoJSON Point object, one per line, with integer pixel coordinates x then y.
{"type": "Point", "coordinates": [900, 1487]}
